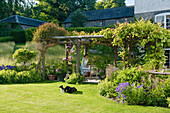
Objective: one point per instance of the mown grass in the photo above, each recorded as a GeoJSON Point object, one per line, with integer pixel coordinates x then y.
{"type": "Point", "coordinates": [8, 48]}
{"type": "Point", "coordinates": [47, 98]}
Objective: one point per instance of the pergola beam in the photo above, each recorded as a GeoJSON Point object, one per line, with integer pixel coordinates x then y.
{"type": "Point", "coordinates": [78, 37]}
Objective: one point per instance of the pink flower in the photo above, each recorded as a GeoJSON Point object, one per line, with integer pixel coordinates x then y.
{"type": "Point", "coordinates": [56, 70]}
{"type": "Point", "coordinates": [64, 58]}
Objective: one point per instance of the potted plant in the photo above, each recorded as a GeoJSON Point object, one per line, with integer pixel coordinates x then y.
{"type": "Point", "coordinates": [61, 70]}
{"type": "Point", "coordinates": [51, 73]}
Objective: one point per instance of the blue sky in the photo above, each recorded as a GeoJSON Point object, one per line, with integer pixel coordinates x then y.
{"type": "Point", "coordinates": [128, 2]}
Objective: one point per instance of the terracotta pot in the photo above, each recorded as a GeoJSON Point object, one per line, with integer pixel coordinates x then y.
{"type": "Point", "coordinates": [51, 77]}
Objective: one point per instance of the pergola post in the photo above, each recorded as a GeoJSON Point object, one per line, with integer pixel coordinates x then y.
{"type": "Point", "coordinates": [78, 56]}
{"type": "Point", "coordinates": [66, 54]}
{"type": "Point", "coordinates": [85, 49]}
{"type": "Point", "coordinates": [115, 56]}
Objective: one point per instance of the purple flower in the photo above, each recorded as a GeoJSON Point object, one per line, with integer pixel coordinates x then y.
{"type": "Point", "coordinates": [123, 102]}
{"type": "Point", "coordinates": [139, 86]}
{"type": "Point", "coordinates": [132, 84]}
{"type": "Point", "coordinates": [118, 101]}
{"type": "Point", "coordinates": [68, 59]}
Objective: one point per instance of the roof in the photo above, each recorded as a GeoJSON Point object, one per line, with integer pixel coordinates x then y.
{"type": "Point", "coordinates": [103, 14]}
{"type": "Point", "coordinates": [23, 20]}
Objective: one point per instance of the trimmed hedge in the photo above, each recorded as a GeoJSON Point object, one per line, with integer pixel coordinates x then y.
{"type": "Point", "coordinates": [4, 29]}
{"type": "Point", "coordinates": [6, 39]}
{"type": "Point", "coordinates": [29, 33]}
{"type": "Point", "coordinates": [12, 76]}
{"type": "Point", "coordinates": [88, 29]}
{"type": "Point", "coordinates": [18, 36]}
{"type": "Point", "coordinates": [85, 29]}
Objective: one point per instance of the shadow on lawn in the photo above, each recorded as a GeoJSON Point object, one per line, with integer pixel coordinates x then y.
{"type": "Point", "coordinates": [78, 92]}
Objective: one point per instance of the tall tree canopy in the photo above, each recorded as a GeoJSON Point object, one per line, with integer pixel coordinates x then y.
{"type": "Point", "coordinates": [13, 7]}
{"type": "Point", "coordinates": [78, 19]}
{"type": "Point", "coordinates": [56, 11]}
{"type": "Point", "coordinates": [105, 4]}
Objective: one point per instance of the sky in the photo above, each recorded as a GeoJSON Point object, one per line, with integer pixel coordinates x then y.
{"type": "Point", "coordinates": [128, 2]}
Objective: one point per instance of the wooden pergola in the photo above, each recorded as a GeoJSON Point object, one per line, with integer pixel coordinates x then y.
{"type": "Point", "coordinates": [77, 41]}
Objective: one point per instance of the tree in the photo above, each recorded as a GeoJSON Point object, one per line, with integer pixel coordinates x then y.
{"type": "Point", "coordinates": [105, 4]}
{"type": "Point", "coordinates": [43, 40]}
{"type": "Point", "coordinates": [84, 5]}
{"type": "Point", "coordinates": [50, 11]}
{"type": "Point", "coordinates": [24, 56]}
{"type": "Point", "coordinates": [78, 19]}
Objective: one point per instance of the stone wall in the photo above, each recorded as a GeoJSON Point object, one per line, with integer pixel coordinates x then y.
{"type": "Point", "coordinates": [150, 15]}
{"type": "Point", "coordinates": [103, 23]}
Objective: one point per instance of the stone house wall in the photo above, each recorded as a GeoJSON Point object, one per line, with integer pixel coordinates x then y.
{"type": "Point", "coordinates": [103, 23]}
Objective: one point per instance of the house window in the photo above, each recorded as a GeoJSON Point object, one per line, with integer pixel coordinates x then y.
{"type": "Point", "coordinates": [163, 19]}
{"type": "Point", "coordinates": [100, 23]}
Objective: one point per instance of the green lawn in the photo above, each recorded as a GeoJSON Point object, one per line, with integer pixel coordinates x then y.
{"type": "Point", "coordinates": [46, 98]}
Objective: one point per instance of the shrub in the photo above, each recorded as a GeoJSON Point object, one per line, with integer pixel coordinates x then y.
{"type": "Point", "coordinates": [4, 29]}
{"type": "Point", "coordinates": [18, 36]}
{"type": "Point", "coordinates": [154, 92]}
{"type": "Point", "coordinates": [28, 76]}
{"type": "Point", "coordinates": [24, 55]}
{"type": "Point", "coordinates": [11, 76]}
{"type": "Point", "coordinates": [7, 76]}
{"type": "Point", "coordinates": [107, 88]}
{"type": "Point", "coordinates": [6, 39]}
{"type": "Point", "coordinates": [128, 75]}
{"type": "Point", "coordinates": [29, 33]}
{"type": "Point", "coordinates": [74, 78]}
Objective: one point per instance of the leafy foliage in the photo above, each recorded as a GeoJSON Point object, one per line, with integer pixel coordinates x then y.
{"type": "Point", "coordinates": [74, 78]}
{"type": "Point", "coordinates": [145, 34]}
{"type": "Point", "coordinates": [11, 76]}
{"type": "Point", "coordinates": [108, 86]}
{"type": "Point", "coordinates": [24, 55]}
{"type": "Point", "coordinates": [78, 19]}
{"type": "Point", "coordinates": [4, 29]}
{"type": "Point", "coordinates": [105, 4]}
{"type": "Point", "coordinates": [6, 39]}
{"type": "Point", "coordinates": [43, 40]}
{"type": "Point", "coordinates": [151, 92]}
{"type": "Point", "coordinates": [18, 36]}
{"type": "Point", "coordinates": [135, 86]}
{"type": "Point", "coordinates": [29, 33]}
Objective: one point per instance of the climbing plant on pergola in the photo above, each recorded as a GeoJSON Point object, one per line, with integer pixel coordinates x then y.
{"type": "Point", "coordinates": [146, 34]}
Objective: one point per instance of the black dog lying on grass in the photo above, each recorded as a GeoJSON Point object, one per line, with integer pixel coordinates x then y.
{"type": "Point", "coordinates": [68, 89]}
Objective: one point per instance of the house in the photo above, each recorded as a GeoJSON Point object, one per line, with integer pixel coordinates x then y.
{"type": "Point", "coordinates": [105, 17]}
{"type": "Point", "coordinates": [157, 10]}
{"type": "Point", "coordinates": [24, 22]}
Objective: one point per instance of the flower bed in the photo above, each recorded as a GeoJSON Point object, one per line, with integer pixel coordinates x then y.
{"type": "Point", "coordinates": [134, 86]}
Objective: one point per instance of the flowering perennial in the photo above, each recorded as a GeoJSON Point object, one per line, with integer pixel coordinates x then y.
{"type": "Point", "coordinates": [119, 89]}
{"type": "Point", "coordinates": [7, 67]}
